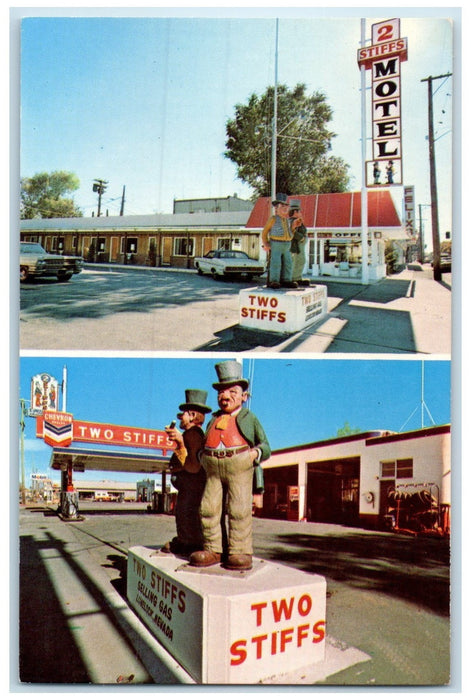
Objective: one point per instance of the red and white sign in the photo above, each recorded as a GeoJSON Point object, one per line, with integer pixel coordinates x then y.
{"type": "Point", "coordinates": [227, 629]}
{"type": "Point", "coordinates": [384, 59]}
{"type": "Point", "coordinates": [57, 428]}
{"type": "Point", "coordinates": [282, 312]}
{"type": "Point", "coordinates": [108, 434]}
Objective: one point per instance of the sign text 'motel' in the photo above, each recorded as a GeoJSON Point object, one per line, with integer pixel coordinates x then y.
{"type": "Point", "coordinates": [388, 49]}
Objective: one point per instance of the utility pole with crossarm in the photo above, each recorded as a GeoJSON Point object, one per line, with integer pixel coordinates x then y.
{"type": "Point", "coordinates": [437, 272]}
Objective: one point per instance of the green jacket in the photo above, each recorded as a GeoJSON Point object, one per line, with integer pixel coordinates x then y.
{"type": "Point", "coordinates": [251, 429]}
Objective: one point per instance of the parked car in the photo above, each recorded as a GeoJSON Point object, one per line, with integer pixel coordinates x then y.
{"type": "Point", "coordinates": [228, 263]}
{"type": "Point", "coordinates": [35, 262]}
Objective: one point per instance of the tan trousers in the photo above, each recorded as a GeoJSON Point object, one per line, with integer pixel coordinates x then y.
{"type": "Point", "coordinates": [236, 475]}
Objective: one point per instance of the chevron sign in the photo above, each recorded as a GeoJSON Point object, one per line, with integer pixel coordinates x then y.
{"type": "Point", "coordinates": [57, 428]}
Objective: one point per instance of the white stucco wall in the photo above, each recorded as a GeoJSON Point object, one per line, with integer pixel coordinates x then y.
{"type": "Point", "coordinates": [431, 466]}
{"type": "Point", "coordinates": [430, 450]}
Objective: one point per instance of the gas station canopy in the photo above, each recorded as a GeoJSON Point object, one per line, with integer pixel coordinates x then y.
{"type": "Point", "coordinates": [81, 459]}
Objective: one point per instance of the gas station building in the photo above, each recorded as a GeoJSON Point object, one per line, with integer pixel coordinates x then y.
{"type": "Point", "coordinates": [376, 479]}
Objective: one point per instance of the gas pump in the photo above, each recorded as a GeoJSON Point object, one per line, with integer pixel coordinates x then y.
{"type": "Point", "coordinates": [68, 507]}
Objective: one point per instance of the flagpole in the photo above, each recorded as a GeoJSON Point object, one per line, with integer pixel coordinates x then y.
{"type": "Point", "coordinates": [275, 119]}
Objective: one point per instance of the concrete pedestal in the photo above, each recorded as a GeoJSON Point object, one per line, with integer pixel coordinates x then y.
{"type": "Point", "coordinates": [284, 310]}
{"type": "Point", "coordinates": [229, 627]}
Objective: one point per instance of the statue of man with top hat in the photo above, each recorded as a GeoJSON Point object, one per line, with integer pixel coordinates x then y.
{"type": "Point", "coordinates": [235, 444]}
{"type": "Point", "coordinates": [187, 474]}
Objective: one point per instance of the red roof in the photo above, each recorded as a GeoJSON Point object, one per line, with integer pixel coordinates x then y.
{"type": "Point", "coordinates": [339, 210]}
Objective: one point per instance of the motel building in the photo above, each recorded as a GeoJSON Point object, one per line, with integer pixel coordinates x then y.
{"type": "Point", "coordinates": [333, 222]}
{"type": "Point", "coordinates": [378, 480]}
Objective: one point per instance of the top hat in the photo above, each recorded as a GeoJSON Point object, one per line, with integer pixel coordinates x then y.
{"type": "Point", "coordinates": [195, 400]}
{"type": "Point", "coordinates": [295, 204]}
{"type": "Point", "coordinates": [280, 198]}
{"type": "Point", "coordinates": [230, 373]}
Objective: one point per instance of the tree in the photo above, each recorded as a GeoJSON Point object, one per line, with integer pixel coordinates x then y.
{"type": "Point", "coordinates": [43, 196]}
{"type": "Point", "coordinates": [347, 430]}
{"type": "Point", "coordinates": [303, 141]}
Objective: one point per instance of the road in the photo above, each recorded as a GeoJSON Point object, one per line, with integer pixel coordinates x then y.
{"type": "Point", "coordinates": [167, 310]}
{"type": "Point", "coordinates": [387, 594]}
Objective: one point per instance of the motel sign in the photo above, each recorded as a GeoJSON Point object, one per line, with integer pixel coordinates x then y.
{"type": "Point", "coordinates": [384, 57]}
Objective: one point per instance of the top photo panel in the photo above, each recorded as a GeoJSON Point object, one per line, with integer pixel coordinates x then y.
{"type": "Point", "coordinates": [235, 184]}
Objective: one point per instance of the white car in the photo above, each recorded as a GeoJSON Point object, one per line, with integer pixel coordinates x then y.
{"type": "Point", "coordinates": [228, 263]}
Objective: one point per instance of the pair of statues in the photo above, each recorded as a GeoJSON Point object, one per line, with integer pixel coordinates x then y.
{"type": "Point", "coordinates": [214, 472]}
{"type": "Point", "coordinates": [284, 238]}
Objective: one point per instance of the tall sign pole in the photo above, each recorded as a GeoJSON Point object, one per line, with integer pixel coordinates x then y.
{"type": "Point", "coordinates": [64, 389]}
{"type": "Point", "coordinates": [364, 191]}
{"type": "Point", "coordinates": [383, 57]}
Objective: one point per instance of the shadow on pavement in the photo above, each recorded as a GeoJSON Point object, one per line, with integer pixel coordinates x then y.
{"type": "Point", "coordinates": [237, 339]}
{"type": "Point", "coordinates": [47, 649]}
{"type": "Point", "coordinates": [374, 330]}
{"type": "Point", "coordinates": [413, 568]}
{"type": "Point", "coordinates": [99, 295]}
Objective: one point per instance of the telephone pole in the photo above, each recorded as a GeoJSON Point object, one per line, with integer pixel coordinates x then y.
{"type": "Point", "coordinates": [437, 272]}
{"type": "Point", "coordinates": [100, 187]}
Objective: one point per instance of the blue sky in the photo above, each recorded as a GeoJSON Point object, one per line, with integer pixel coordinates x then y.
{"type": "Point", "coordinates": [142, 102]}
{"type": "Point", "coordinates": [297, 400]}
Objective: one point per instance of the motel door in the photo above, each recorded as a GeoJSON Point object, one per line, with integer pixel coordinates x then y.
{"type": "Point", "coordinates": [114, 250]}
{"type": "Point", "coordinates": [207, 244]}
{"type": "Point", "coordinates": [166, 250]}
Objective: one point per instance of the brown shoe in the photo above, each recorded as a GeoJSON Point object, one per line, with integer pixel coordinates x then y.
{"type": "Point", "coordinates": [239, 561]}
{"type": "Point", "coordinates": [205, 558]}
{"type": "Point", "coordinates": [289, 285]}
{"type": "Point", "coordinates": [274, 285]}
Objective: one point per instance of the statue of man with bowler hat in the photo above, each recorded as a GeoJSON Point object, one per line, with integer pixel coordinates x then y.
{"type": "Point", "coordinates": [235, 444]}
{"type": "Point", "coordinates": [187, 474]}
{"type": "Point", "coordinates": [276, 241]}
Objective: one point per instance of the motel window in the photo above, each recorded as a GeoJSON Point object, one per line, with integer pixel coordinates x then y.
{"type": "Point", "coordinates": [397, 469]}
{"type": "Point", "coordinates": [224, 244]}
{"type": "Point", "coordinates": [128, 245]}
{"type": "Point", "coordinates": [101, 245]}
{"type": "Point", "coordinates": [184, 246]}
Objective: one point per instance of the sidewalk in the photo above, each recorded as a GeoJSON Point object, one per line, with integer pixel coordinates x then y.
{"type": "Point", "coordinates": [406, 313]}
{"type": "Point", "coordinates": [386, 602]}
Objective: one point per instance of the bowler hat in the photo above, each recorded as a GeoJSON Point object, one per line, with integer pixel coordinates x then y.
{"type": "Point", "coordinates": [195, 400]}
{"type": "Point", "coordinates": [280, 198]}
{"type": "Point", "coordinates": [294, 204]}
{"type": "Point", "coordinates": [229, 373]}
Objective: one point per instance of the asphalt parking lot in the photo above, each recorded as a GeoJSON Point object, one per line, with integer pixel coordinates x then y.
{"type": "Point", "coordinates": [387, 595]}
{"type": "Point", "coordinates": [168, 310]}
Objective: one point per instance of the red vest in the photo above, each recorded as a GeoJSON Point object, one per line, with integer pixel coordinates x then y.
{"type": "Point", "coordinates": [224, 430]}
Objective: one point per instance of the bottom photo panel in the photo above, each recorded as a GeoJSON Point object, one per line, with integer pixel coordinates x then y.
{"type": "Point", "coordinates": [234, 521]}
